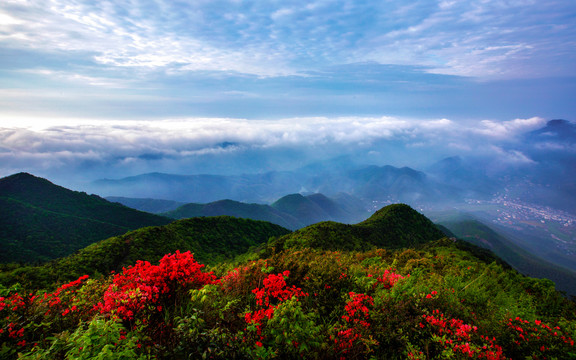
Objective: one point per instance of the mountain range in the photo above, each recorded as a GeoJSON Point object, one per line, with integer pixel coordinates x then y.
{"type": "Point", "coordinates": [44, 221]}
{"type": "Point", "coordinates": [539, 169]}
{"type": "Point", "coordinates": [380, 183]}
{"type": "Point", "coordinates": [392, 286]}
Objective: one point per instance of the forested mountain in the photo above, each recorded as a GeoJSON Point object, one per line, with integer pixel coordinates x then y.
{"type": "Point", "coordinates": [394, 226]}
{"type": "Point", "coordinates": [211, 239]}
{"type": "Point", "coordinates": [292, 211]}
{"type": "Point", "coordinates": [42, 221]}
{"type": "Point", "coordinates": [391, 287]}
{"type": "Point", "coordinates": [237, 209]}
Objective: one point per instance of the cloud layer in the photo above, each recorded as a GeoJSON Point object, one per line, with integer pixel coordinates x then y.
{"type": "Point", "coordinates": [87, 149]}
{"type": "Point", "coordinates": [268, 59]}
{"type": "Point", "coordinates": [486, 38]}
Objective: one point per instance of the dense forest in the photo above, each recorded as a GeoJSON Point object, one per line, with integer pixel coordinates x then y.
{"type": "Point", "coordinates": [41, 221]}
{"type": "Point", "coordinates": [398, 289]}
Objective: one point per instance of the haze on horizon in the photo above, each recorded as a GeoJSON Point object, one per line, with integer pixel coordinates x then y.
{"type": "Point", "coordinates": [112, 89]}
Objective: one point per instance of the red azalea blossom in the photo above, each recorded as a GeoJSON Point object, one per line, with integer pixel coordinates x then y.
{"type": "Point", "coordinates": [274, 292]}
{"type": "Point", "coordinates": [357, 309]}
{"type": "Point", "coordinates": [389, 279]}
{"type": "Point", "coordinates": [144, 284]}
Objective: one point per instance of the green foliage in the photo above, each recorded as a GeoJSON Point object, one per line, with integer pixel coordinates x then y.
{"type": "Point", "coordinates": [212, 239]}
{"type": "Point", "coordinates": [100, 339]}
{"type": "Point", "coordinates": [394, 226]}
{"type": "Point", "coordinates": [293, 332]}
{"type": "Point", "coordinates": [474, 232]}
{"type": "Point", "coordinates": [433, 299]}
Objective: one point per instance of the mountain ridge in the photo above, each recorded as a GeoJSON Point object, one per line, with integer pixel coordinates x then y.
{"type": "Point", "coordinates": [212, 239]}
{"type": "Point", "coordinates": [394, 226]}
{"type": "Point", "coordinates": [292, 211]}
{"type": "Point", "coordinates": [43, 221]}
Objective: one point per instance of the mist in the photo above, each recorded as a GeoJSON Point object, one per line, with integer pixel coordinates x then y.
{"type": "Point", "coordinates": [83, 151]}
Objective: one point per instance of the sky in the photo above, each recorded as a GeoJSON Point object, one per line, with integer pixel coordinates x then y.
{"type": "Point", "coordinates": [114, 88]}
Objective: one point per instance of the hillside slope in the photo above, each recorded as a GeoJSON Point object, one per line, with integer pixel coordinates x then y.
{"type": "Point", "coordinates": [211, 239]}
{"type": "Point", "coordinates": [477, 233]}
{"type": "Point", "coordinates": [418, 298]}
{"type": "Point", "coordinates": [393, 226]}
{"type": "Point", "coordinates": [42, 221]}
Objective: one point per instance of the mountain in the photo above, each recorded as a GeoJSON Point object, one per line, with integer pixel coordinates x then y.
{"type": "Point", "coordinates": [469, 178]}
{"type": "Point", "coordinates": [201, 188]}
{"type": "Point", "coordinates": [304, 208]}
{"type": "Point", "coordinates": [467, 228]}
{"type": "Point", "coordinates": [292, 211]}
{"type": "Point", "coordinates": [402, 293]}
{"type": "Point", "coordinates": [389, 182]}
{"type": "Point", "coordinates": [211, 239]}
{"type": "Point", "coordinates": [237, 209]}
{"type": "Point", "coordinates": [557, 130]}
{"type": "Point", "coordinates": [393, 226]}
{"type": "Point", "coordinates": [42, 221]}
{"type": "Point", "coordinates": [154, 206]}
{"type": "Point", "coordinates": [551, 176]}
{"type": "Point", "coordinates": [368, 183]}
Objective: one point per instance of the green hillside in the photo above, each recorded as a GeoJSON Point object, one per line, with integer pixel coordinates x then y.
{"type": "Point", "coordinates": [393, 226]}
{"type": "Point", "coordinates": [479, 234]}
{"type": "Point", "coordinates": [42, 221]}
{"type": "Point", "coordinates": [390, 287]}
{"type": "Point", "coordinates": [211, 239]}
{"type": "Point", "coordinates": [31, 234]}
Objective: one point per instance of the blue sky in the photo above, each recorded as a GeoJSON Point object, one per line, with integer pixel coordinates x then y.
{"type": "Point", "coordinates": [145, 85]}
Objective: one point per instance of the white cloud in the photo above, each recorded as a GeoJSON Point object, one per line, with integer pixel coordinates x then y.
{"type": "Point", "coordinates": [178, 137]}
{"type": "Point", "coordinates": [487, 38]}
{"type": "Point", "coordinates": [509, 129]}
{"type": "Point", "coordinates": [140, 38]}
{"type": "Point", "coordinates": [6, 19]}
{"type": "Point", "coordinates": [184, 135]}
{"type": "Point", "coordinates": [129, 147]}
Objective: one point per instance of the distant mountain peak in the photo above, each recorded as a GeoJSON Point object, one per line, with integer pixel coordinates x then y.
{"type": "Point", "coordinates": [558, 129]}
{"type": "Point", "coordinates": [557, 122]}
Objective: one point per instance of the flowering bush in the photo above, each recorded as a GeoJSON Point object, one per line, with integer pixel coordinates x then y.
{"type": "Point", "coordinates": [293, 304]}
{"type": "Point", "coordinates": [357, 311]}
{"type": "Point", "coordinates": [456, 337]}
{"type": "Point", "coordinates": [538, 339]}
{"type": "Point", "coordinates": [58, 310]}
{"type": "Point", "coordinates": [352, 338]}
{"type": "Point", "coordinates": [267, 299]}
{"type": "Point", "coordinates": [145, 288]}
{"type": "Point", "coordinates": [388, 279]}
